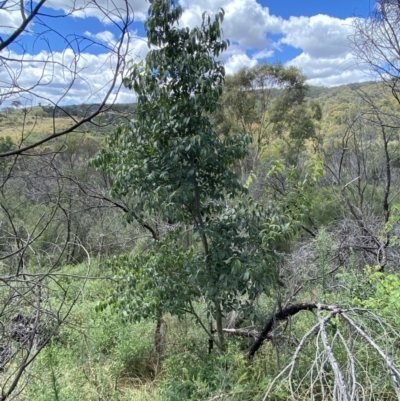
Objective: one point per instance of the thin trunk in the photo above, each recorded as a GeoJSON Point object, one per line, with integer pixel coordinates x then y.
{"type": "Point", "coordinates": [206, 253]}
{"type": "Point", "coordinates": [158, 338]}
{"type": "Point", "coordinates": [220, 330]}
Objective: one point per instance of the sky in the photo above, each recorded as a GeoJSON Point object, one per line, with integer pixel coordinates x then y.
{"type": "Point", "coordinates": [312, 35]}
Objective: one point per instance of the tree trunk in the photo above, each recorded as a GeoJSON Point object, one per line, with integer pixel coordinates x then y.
{"type": "Point", "coordinates": [220, 331]}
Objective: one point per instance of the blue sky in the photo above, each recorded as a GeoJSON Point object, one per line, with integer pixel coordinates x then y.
{"type": "Point", "coordinates": [310, 34]}
{"type": "Point", "coordinates": [334, 8]}
{"type": "Point", "coordinates": [340, 9]}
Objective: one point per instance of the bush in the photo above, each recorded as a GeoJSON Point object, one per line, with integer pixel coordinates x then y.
{"type": "Point", "coordinates": [195, 375]}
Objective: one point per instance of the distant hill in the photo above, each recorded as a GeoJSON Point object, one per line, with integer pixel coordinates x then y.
{"type": "Point", "coordinates": [36, 122]}
{"type": "Point", "coordinates": [39, 121]}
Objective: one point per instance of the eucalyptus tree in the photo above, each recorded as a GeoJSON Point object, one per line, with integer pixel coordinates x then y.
{"type": "Point", "coordinates": [268, 101]}
{"type": "Point", "coordinates": [172, 161]}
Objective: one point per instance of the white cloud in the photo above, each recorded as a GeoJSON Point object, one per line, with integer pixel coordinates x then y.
{"type": "Point", "coordinates": [10, 20]}
{"type": "Point", "coordinates": [319, 35]}
{"type": "Point", "coordinates": [330, 71]}
{"type": "Point", "coordinates": [238, 61]}
{"type": "Point", "coordinates": [263, 54]}
{"type": "Point", "coordinates": [326, 57]}
{"type": "Point", "coordinates": [64, 77]}
{"type": "Point", "coordinates": [246, 21]}
{"type": "Point", "coordinates": [104, 36]}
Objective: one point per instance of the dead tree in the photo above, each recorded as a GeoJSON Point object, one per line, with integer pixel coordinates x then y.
{"type": "Point", "coordinates": [376, 43]}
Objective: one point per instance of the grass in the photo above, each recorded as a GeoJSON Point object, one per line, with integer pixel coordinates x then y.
{"type": "Point", "coordinates": [95, 357]}
{"type": "Point", "coordinates": [30, 127]}
{"type": "Point", "coordinates": [99, 357]}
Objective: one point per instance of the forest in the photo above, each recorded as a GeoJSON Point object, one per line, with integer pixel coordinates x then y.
{"type": "Point", "coordinates": [221, 237]}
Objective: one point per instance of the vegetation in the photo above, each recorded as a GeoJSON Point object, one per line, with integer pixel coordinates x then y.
{"type": "Point", "coordinates": [230, 238]}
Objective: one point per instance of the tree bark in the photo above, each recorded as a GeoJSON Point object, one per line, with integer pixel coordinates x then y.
{"type": "Point", "coordinates": [281, 315]}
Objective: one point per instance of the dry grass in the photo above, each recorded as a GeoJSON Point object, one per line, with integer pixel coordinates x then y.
{"type": "Point", "coordinates": [18, 130]}
{"type": "Point", "coordinates": [142, 392]}
{"type": "Point", "coordinates": [32, 126]}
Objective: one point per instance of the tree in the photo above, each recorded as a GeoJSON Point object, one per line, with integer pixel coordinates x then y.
{"type": "Point", "coordinates": [376, 43]}
{"type": "Point", "coordinates": [268, 102]}
{"type": "Point", "coordinates": [177, 168]}
{"type": "Point", "coordinates": [16, 103]}
{"type": "Point", "coordinates": [361, 168]}
{"type": "Point", "coordinates": [66, 69]}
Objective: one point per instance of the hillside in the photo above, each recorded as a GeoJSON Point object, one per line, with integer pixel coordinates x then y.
{"type": "Point", "coordinates": [36, 122]}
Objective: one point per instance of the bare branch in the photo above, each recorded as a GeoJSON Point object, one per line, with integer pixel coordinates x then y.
{"type": "Point", "coordinates": [25, 22]}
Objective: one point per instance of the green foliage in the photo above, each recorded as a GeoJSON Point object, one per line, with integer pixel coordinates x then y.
{"type": "Point", "coordinates": [393, 220]}
{"type": "Point", "coordinates": [190, 376]}
{"type": "Point", "coordinates": [326, 206]}
{"type": "Point", "coordinates": [240, 266]}
{"type": "Point", "coordinates": [174, 164]}
{"type": "Point", "coordinates": [110, 359]}
{"type": "Point", "coordinates": [6, 144]}
{"type": "Point", "coordinates": [195, 375]}
{"type": "Point", "coordinates": [104, 357]}
{"type": "Point", "coordinates": [296, 198]}
{"type": "Point", "coordinates": [386, 296]}
{"type": "Point", "coordinates": [268, 102]}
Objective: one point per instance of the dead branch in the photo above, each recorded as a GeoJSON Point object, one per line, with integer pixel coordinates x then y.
{"type": "Point", "coordinates": [281, 315]}
{"type": "Point", "coordinates": [337, 371]}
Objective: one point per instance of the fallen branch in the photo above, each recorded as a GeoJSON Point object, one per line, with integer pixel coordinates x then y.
{"type": "Point", "coordinates": [393, 369]}
{"type": "Point", "coordinates": [340, 388]}
{"type": "Point", "coordinates": [338, 369]}
{"type": "Point", "coordinates": [244, 333]}
{"type": "Point", "coordinates": [283, 314]}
